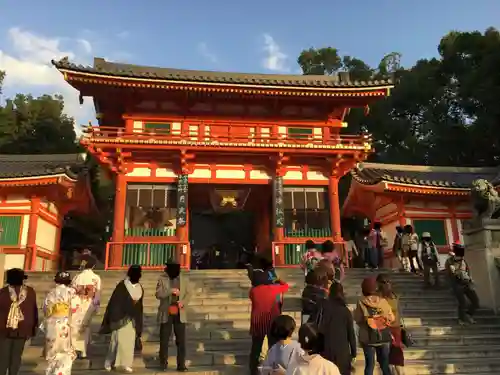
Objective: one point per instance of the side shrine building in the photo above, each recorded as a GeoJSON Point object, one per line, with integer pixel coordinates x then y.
{"type": "Point", "coordinates": [36, 192]}
{"type": "Point", "coordinates": [431, 199]}
{"type": "Point", "coordinates": [210, 162]}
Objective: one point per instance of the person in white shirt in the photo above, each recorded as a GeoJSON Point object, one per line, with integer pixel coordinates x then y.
{"type": "Point", "coordinates": [311, 362]}
{"type": "Point", "coordinates": [87, 285]}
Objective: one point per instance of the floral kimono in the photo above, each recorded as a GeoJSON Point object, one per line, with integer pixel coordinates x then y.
{"type": "Point", "coordinates": [88, 291]}
{"type": "Point", "coordinates": [59, 351]}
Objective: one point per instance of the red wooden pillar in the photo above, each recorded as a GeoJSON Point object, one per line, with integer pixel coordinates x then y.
{"type": "Point", "coordinates": [333, 187]}
{"type": "Point", "coordinates": [116, 250]}
{"type": "Point", "coordinates": [32, 229]}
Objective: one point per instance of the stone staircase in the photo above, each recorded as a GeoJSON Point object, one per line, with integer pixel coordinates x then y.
{"type": "Point", "coordinates": [218, 340]}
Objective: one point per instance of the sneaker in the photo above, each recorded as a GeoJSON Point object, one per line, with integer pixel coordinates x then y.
{"type": "Point", "coordinates": [462, 322]}
{"type": "Point", "coordinates": [108, 366]}
{"type": "Point", "coordinates": [128, 370]}
{"type": "Point", "coordinates": [182, 369]}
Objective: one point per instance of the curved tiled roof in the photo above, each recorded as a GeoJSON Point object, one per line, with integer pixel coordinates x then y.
{"type": "Point", "coordinates": [19, 166]}
{"type": "Point", "coordinates": [107, 68]}
{"type": "Point", "coordinates": [425, 176]}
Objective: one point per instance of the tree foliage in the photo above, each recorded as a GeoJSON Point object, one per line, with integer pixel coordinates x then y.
{"type": "Point", "coordinates": [443, 111]}
{"type": "Point", "coordinates": [30, 125]}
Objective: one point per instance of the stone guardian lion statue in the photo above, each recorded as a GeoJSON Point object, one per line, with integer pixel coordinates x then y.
{"type": "Point", "coordinates": [485, 199]}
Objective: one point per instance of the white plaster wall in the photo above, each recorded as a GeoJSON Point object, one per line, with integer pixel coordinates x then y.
{"type": "Point", "coordinates": [14, 261]}
{"type": "Point", "coordinates": [25, 224]}
{"type": "Point", "coordinates": [17, 198]}
{"type": "Point", "coordinates": [165, 172]}
{"type": "Point", "coordinates": [316, 176]}
{"type": "Point", "coordinates": [138, 127]}
{"type": "Point", "coordinates": [17, 202]}
{"type": "Point", "coordinates": [390, 231]}
{"type": "Point", "coordinates": [293, 175]}
{"type": "Point", "coordinates": [201, 173]}
{"type": "Point", "coordinates": [46, 235]}
{"type": "Point", "coordinates": [460, 230]}
{"type": "Point", "coordinates": [449, 230]}
{"type": "Point", "coordinates": [140, 171]}
{"type": "Point", "coordinates": [234, 174]}
{"type": "Point", "coordinates": [257, 174]}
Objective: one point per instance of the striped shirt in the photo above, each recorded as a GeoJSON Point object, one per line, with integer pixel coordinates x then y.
{"type": "Point", "coordinates": [265, 307]}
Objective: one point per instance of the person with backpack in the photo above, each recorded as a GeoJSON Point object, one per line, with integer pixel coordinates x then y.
{"type": "Point", "coordinates": [374, 316]}
{"type": "Point", "coordinates": [428, 255]}
{"type": "Point", "coordinates": [462, 284]}
{"type": "Point", "coordinates": [410, 249]}
{"type": "Point", "coordinates": [396, 354]}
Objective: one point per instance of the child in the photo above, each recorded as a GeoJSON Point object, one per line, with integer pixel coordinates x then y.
{"type": "Point", "coordinates": [286, 351]}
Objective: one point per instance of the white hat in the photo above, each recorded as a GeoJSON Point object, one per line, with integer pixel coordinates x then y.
{"type": "Point", "coordinates": [426, 234]}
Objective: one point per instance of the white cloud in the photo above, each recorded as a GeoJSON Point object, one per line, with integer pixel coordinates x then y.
{"type": "Point", "coordinates": [28, 67]}
{"type": "Point", "coordinates": [275, 59]}
{"type": "Point", "coordinates": [206, 53]}
{"type": "Point", "coordinates": [85, 44]}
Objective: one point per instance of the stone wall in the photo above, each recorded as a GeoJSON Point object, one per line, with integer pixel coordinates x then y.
{"type": "Point", "coordinates": [482, 244]}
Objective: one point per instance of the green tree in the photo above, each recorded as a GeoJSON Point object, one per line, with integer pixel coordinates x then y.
{"type": "Point", "coordinates": [30, 125]}
{"type": "Point", "coordinates": [443, 111]}
{"type": "Point", "coordinates": [2, 77]}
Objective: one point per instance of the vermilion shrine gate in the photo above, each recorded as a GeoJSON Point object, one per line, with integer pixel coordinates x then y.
{"type": "Point", "coordinates": [206, 159]}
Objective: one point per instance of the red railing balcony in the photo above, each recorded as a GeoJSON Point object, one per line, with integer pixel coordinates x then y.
{"type": "Point", "coordinates": [228, 135]}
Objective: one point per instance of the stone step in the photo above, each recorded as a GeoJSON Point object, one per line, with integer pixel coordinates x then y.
{"type": "Point", "coordinates": [32, 357]}
{"type": "Point", "coordinates": [200, 333]}
{"type": "Point", "coordinates": [242, 342]}
{"type": "Point", "coordinates": [413, 369]}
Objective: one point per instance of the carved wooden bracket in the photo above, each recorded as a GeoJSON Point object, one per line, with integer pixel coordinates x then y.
{"type": "Point", "coordinates": [185, 162]}
{"type": "Point", "coordinates": [278, 163]}
{"type": "Point", "coordinates": [341, 164]}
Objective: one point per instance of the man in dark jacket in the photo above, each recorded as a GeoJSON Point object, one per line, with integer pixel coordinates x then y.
{"type": "Point", "coordinates": [173, 291]}
{"type": "Point", "coordinates": [18, 320]}
{"type": "Point", "coordinates": [336, 325]}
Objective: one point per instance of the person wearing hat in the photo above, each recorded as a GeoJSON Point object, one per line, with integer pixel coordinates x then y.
{"type": "Point", "coordinates": [462, 284]}
{"type": "Point", "coordinates": [429, 258]}
{"type": "Point", "coordinates": [87, 285]}
{"type": "Point", "coordinates": [124, 318]}
{"type": "Point", "coordinates": [59, 351]}
{"type": "Point", "coordinates": [173, 290]}
{"type": "Point", "coordinates": [18, 320]}
{"type": "Point", "coordinates": [374, 316]}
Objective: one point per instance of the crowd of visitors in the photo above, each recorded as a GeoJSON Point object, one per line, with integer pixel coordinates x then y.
{"type": "Point", "coordinates": [327, 338]}
{"type": "Point", "coordinates": [330, 331]}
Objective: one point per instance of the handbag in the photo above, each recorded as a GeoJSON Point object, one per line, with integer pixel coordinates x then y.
{"type": "Point", "coordinates": [406, 337]}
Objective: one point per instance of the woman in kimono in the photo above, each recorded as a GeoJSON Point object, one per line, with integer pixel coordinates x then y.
{"type": "Point", "coordinates": [88, 290]}
{"type": "Point", "coordinates": [124, 319]}
{"type": "Point", "coordinates": [59, 351]}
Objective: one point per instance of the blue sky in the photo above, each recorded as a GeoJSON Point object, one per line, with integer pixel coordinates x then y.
{"type": "Point", "coordinates": [256, 36]}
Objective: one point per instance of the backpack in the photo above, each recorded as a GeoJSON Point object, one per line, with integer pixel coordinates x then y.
{"type": "Point", "coordinates": [378, 331]}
